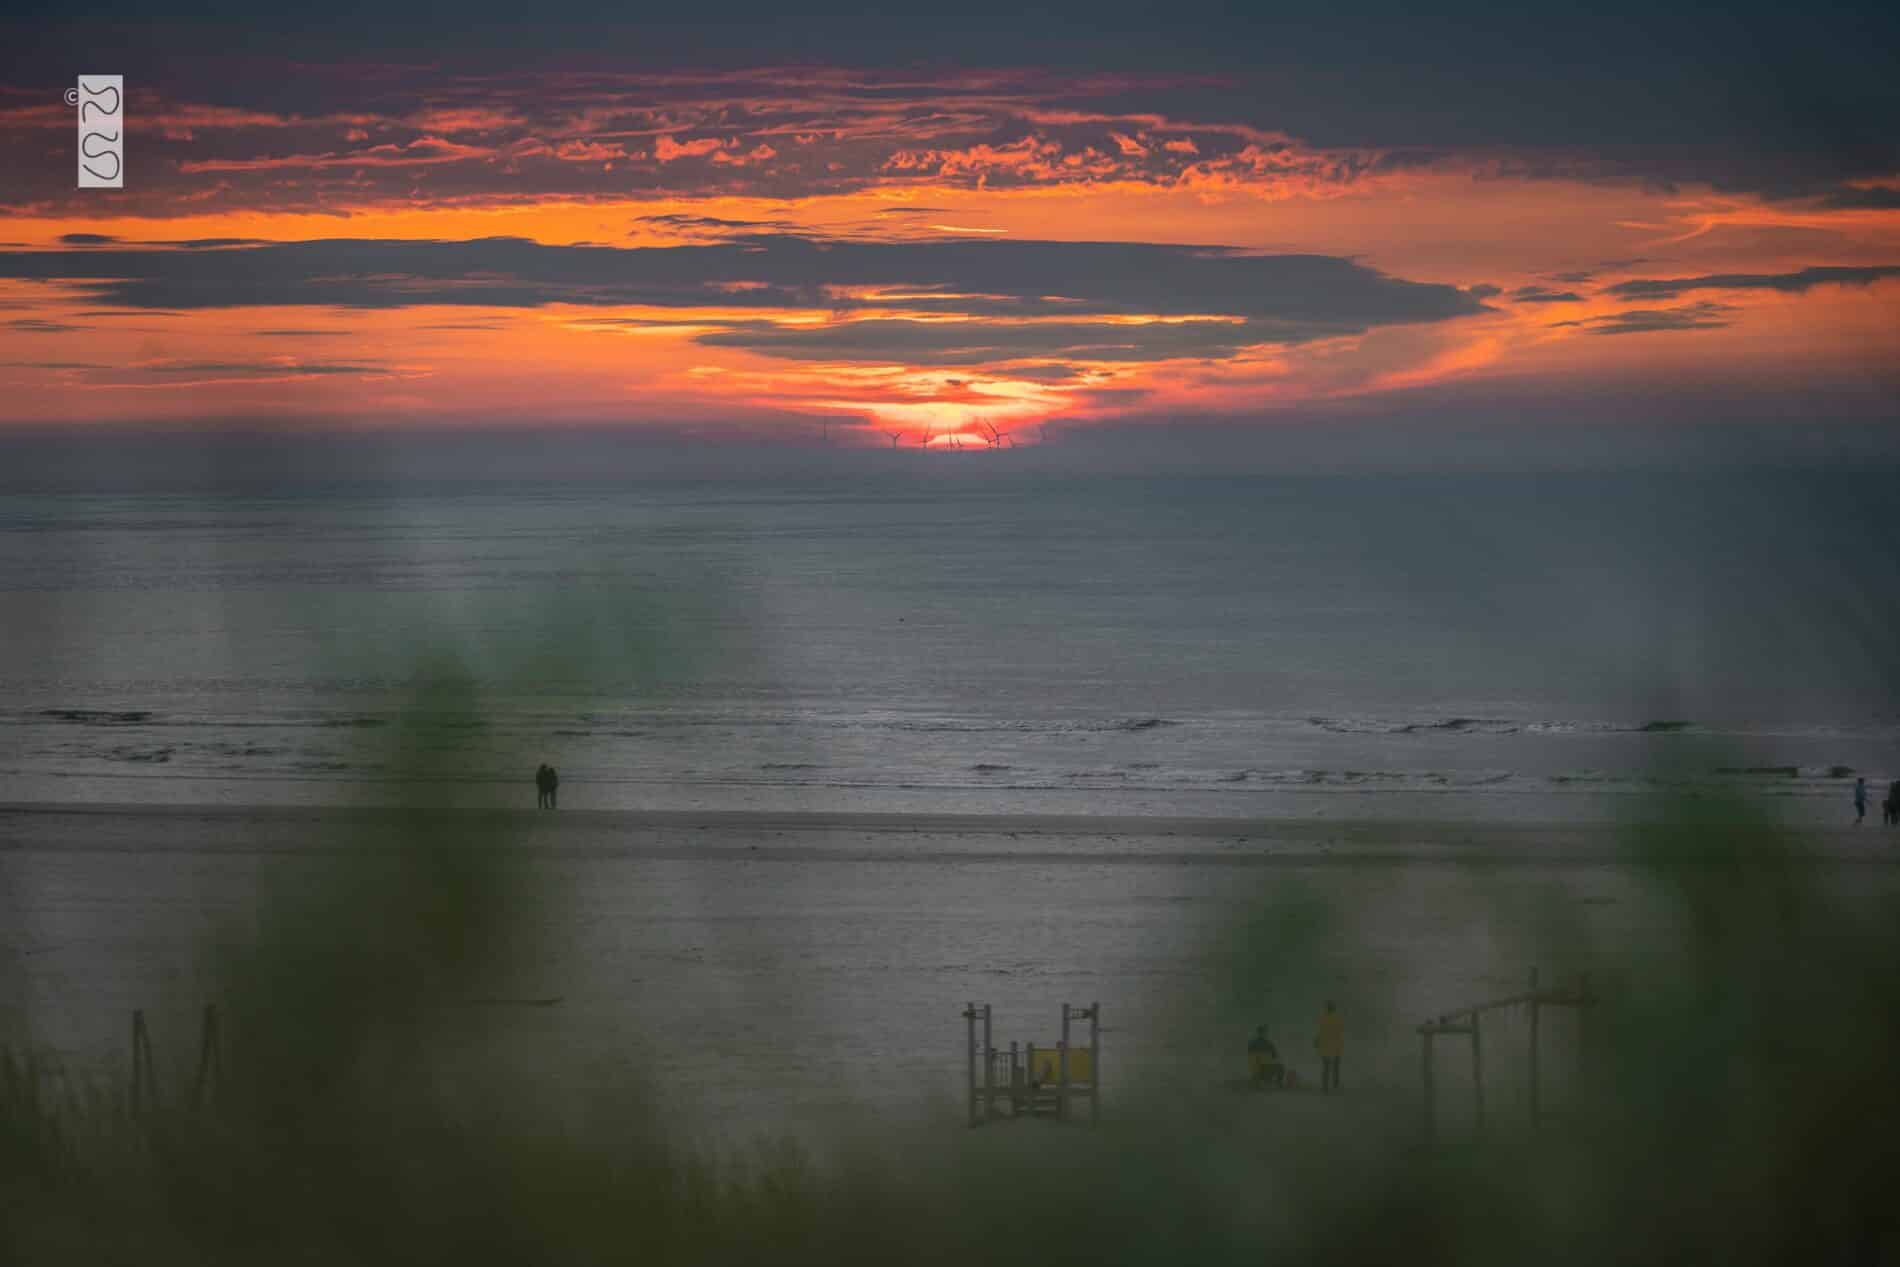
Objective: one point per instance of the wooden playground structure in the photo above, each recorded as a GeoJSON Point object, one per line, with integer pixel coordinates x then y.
{"type": "Point", "coordinates": [1466, 1022]}
{"type": "Point", "coordinates": [1035, 1081]}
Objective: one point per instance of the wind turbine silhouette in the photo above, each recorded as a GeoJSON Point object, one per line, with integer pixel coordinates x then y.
{"type": "Point", "coordinates": [895, 437]}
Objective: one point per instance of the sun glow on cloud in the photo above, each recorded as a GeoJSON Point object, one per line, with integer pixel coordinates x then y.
{"type": "Point", "coordinates": [930, 257]}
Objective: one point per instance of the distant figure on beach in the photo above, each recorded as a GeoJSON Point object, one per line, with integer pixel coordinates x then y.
{"type": "Point", "coordinates": [545, 783]}
{"type": "Point", "coordinates": [1263, 1060]}
{"type": "Point", "coordinates": [1331, 1043]}
{"type": "Point", "coordinates": [1860, 801]}
{"type": "Point", "coordinates": [1891, 810]}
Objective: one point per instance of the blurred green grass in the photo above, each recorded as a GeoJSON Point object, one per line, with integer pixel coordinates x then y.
{"type": "Point", "coordinates": [1738, 1105]}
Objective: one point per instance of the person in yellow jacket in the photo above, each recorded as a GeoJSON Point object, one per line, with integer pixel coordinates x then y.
{"type": "Point", "coordinates": [1331, 1043]}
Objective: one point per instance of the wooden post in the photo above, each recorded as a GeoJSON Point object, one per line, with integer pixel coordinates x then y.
{"type": "Point", "coordinates": [210, 1079]}
{"type": "Point", "coordinates": [1533, 1086]}
{"type": "Point", "coordinates": [1095, 1063]}
{"type": "Point", "coordinates": [989, 1064]}
{"type": "Point", "coordinates": [969, 1026]}
{"type": "Point", "coordinates": [1062, 1068]}
{"type": "Point", "coordinates": [144, 1076]}
{"type": "Point", "coordinates": [1477, 1071]}
{"type": "Point", "coordinates": [1425, 1070]}
{"type": "Point", "coordinates": [1586, 1060]}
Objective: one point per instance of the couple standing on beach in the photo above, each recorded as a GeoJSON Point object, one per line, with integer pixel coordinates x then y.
{"type": "Point", "coordinates": [546, 784]}
{"type": "Point", "coordinates": [1263, 1058]}
{"type": "Point", "coordinates": [1889, 808]}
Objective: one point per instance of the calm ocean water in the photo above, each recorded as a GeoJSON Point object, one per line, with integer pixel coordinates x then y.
{"type": "Point", "coordinates": [1491, 645]}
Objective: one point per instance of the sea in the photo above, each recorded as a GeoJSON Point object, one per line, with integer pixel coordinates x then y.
{"type": "Point", "coordinates": [1541, 647]}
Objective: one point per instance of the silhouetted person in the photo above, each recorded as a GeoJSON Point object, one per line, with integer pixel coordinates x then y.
{"type": "Point", "coordinates": [1331, 1043]}
{"type": "Point", "coordinates": [1860, 801]}
{"type": "Point", "coordinates": [554, 788]}
{"type": "Point", "coordinates": [544, 786]}
{"type": "Point", "coordinates": [1892, 808]}
{"type": "Point", "coordinates": [1263, 1060]}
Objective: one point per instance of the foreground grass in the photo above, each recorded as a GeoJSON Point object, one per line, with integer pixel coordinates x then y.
{"type": "Point", "coordinates": [1740, 1106]}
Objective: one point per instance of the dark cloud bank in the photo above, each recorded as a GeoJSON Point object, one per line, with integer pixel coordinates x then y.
{"type": "Point", "coordinates": [1228, 298]}
{"type": "Point", "coordinates": [1787, 283]}
{"type": "Point", "coordinates": [1786, 101]}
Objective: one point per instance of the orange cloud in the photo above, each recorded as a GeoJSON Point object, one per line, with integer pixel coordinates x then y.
{"type": "Point", "coordinates": [667, 150]}
{"type": "Point", "coordinates": [424, 151]}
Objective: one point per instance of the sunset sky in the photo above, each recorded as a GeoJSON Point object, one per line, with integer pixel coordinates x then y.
{"type": "Point", "coordinates": [895, 229]}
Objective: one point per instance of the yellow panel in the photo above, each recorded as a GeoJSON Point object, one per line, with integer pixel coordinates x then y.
{"type": "Point", "coordinates": [1046, 1068]}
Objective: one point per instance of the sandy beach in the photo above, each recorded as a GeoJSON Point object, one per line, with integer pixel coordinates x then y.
{"type": "Point", "coordinates": [788, 968]}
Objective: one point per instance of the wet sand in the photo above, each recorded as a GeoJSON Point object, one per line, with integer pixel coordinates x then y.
{"type": "Point", "coordinates": [684, 834]}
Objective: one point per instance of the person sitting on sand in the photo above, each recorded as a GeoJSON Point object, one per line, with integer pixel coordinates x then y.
{"type": "Point", "coordinates": [1263, 1060]}
{"type": "Point", "coordinates": [1331, 1043]}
